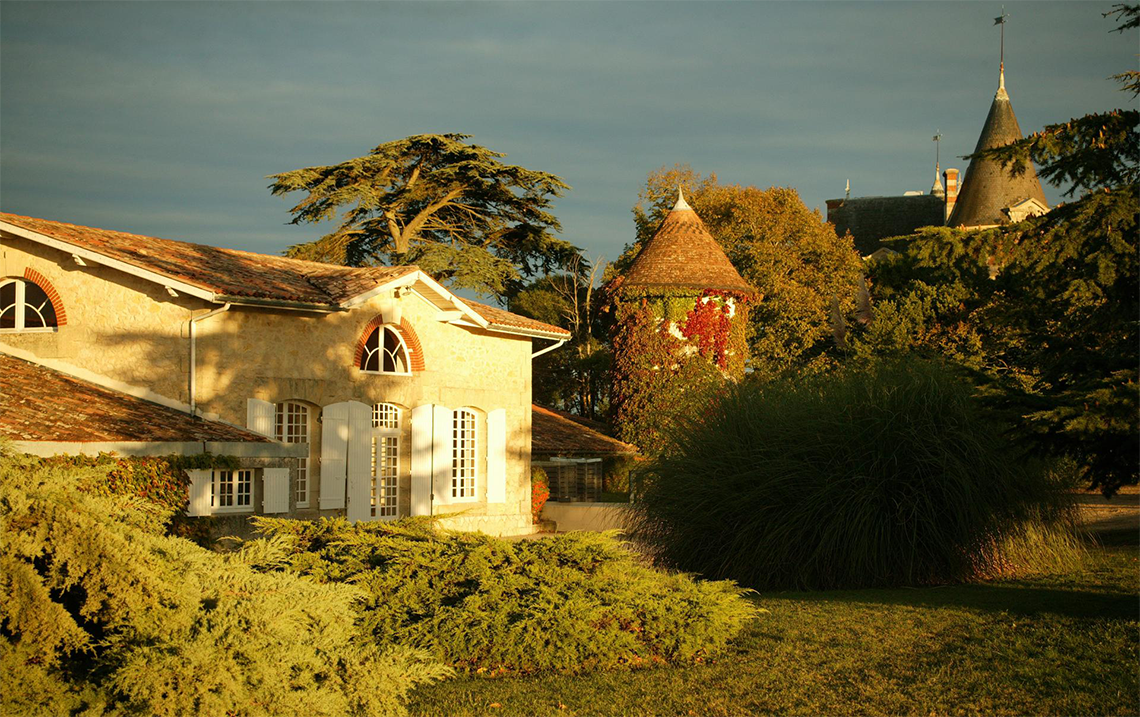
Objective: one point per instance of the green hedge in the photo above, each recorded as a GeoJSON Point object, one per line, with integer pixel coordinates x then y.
{"type": "Point", "coordinates": [567, 603]}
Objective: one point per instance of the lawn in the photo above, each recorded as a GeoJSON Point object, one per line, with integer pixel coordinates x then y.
{"type": "Point", "coordinates": [1059, 645]}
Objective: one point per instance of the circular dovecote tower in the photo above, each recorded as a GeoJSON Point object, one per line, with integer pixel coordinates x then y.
{"type": "Point", "coordinates": [681, 315]}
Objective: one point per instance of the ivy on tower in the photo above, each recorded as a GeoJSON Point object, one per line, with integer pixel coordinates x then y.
{"type": "Point", "coordinates": [681, 318]}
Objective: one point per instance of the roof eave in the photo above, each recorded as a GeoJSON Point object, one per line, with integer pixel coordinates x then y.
{"type": "Point", "coordinates": [277, 303]}
{"type": "Point", "coordinates": [523, 331]}
{"type": "Point", "coordinates": [178, 285]}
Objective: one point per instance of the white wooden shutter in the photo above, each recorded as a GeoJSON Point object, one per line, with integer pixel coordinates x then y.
{"type": "Point", "coordinates": [275, 490]}
{"type": "Point", "coordinates": [441, 454]}
{"type": "Point", "coordinates": [359, 460]}
{"type": "Point", "coordinates": [201, 491]}
{"type": "Point", "coordinates": [421, 459]}
{"type": "Point", "coordinates": [334, 454]}
{"type": "Point", "coordinates": [260, 416]}
{"type": "Point", "coordinates": [497, 456]}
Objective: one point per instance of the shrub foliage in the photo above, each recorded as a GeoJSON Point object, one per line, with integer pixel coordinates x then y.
{"type": "Point", "coordinates": [103, 614]}
{"type": "Point", "coordinates": [876, 476]}
{"type": "Point", "coordinates": [539, 493]}
{"type": "Point", "coordinates": [568, 603]}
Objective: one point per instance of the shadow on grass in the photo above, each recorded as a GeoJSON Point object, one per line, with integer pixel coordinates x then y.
{"type": "Point", "coordinates": [1015, 598]}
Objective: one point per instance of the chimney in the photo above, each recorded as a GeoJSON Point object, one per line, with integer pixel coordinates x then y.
{"type": "Point", "coordinates": [832, 206]}
{"type": "Point", "coordinates": [951, 176]}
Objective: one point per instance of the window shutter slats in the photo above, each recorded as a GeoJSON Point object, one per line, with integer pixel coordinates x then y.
{"type": "Point", "coordinates": [421, 459]}
{"type": "Point", "coordinates": [359, 460]}
{"type": "Point", "coordinates": [334, 455]}
{"type": "Point", "coordinates": [441, 454]}
{"type": "Point", "coordinates": [200, 491]}
{"type": "Point", "coordinates": [260, 416]}
{"type": "Point", "coordinates": [497, 456]}
{"type": "Point", "coordinates": [275, 488]}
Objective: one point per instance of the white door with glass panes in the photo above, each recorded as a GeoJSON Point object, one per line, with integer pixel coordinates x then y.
{"type": "Point", "coordinates": [387, 425]}
{"type": "Point", "coordinates": [292, 426]}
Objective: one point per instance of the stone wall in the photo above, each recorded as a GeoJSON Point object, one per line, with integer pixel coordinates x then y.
{"type": "Point", "coordinates": [131, 330]}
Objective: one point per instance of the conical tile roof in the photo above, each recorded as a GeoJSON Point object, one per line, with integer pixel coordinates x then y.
{"type": "Point", "coordinates": [683, 255]}
{"type": "Point", "coordinates": [987, 188]}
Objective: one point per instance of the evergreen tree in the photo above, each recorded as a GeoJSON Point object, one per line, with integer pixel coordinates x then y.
{"type": "Point", "coordinates": [104, 614]}
{"type": "Point", "coordinates": [1045, 311]}
{"type": "Point", "coordinates": [436, 201]}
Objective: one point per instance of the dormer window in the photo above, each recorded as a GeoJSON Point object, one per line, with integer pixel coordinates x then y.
{"type": "Point", "coordinates": [385, 352]}
{"type": "Point", "coordinates": [24, 306]}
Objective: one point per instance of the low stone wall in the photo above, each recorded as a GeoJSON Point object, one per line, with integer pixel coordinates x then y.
{"type": "Point", "coordinates": [496, 525]}
{"type": "Point", "coordinates": [586, 516]}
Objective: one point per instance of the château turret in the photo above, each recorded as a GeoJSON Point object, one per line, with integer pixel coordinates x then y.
{"type": "Point", "coordinates": [990, 194]}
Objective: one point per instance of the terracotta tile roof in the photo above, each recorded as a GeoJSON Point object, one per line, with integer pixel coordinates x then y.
{"type": "Point", "coordinates": [557, 433]}
{"type": "Point", "coordinates": [682, 254]}
{"type": "Point", "coordinates": [987, 188]}
{"type": "Point", "coordinates": [505, 319]}
{"type": "Point", "coordinates": [228, 272]}
{"type": "Point", "coordinates": [231, 272]}
{"type": "Point", "coordinates": [40, 404]}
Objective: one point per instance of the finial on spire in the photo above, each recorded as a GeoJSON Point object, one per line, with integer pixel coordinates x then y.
{"type": "Point", "coordinates": [1000, 20]}
{"type": "Point", "coordinates": [681, 203]}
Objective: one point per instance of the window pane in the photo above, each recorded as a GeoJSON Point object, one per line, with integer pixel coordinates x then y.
{"type": "Point", "coordinates": [385, 471]}
{"type": "Point", "coordinates": [371, 359]}
{"type": "Point", "coordinates": [224, 488]}
{"type": "Point", "coordinates": [8, 306]}
{"type": "Point", "coordinates": [395, 356]}
{"type": "Point", "coordinates": [38, 311]}
{"type": "Point", "coordinates": [386, 415]}
{"type": "Point", "coordinates": [463, 454]}
{"type": "Point", "coordinates": [244, 487]}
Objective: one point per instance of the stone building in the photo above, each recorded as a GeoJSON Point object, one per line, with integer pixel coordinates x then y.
{"type": "Point", "coordinates": [986, 196]}
{"type": "Point", "coordinates": [408, 400]}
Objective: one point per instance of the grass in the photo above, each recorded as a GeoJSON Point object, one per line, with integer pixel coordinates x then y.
{"type": "Point", "coordinates": [1060, 645]}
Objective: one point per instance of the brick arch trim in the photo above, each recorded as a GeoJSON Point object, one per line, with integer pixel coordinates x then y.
{"type": "Point", "coordinates": [407, 333]}
{"type": "Point", "coordinates": [41, 281]}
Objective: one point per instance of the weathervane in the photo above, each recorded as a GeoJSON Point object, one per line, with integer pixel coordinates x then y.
{"type": "Point", "coordinates": [1000, 20]}
{"type": "Point", "coordinates": [937, 138]}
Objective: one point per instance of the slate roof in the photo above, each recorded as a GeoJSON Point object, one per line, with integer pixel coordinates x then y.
{"type": "Point", "coordinates": [682, 254]}
{"type": "Point", "coordinates": [40, 404]}
{"type": "Point", "coordinates": [557, 433]}
{"type": "Point", "coordinates": [987, 188]}
{"type": "Point", "coordinates": [235, 273]}
{"type": "Point", "coordinates": [871, 219]}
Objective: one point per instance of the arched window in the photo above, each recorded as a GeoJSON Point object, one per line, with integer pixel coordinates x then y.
{"type": "Point", "coordinates": [463, 455]}
{"type": "Point", "coordinates": [385, 352]}
{"type": "Point", "coordinates": [24, 306]}
{"type": "Point", "coordinates": [385, 460]}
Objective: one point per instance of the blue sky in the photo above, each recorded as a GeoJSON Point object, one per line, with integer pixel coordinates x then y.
{"type": "Point", "coordinates": [164, 118]}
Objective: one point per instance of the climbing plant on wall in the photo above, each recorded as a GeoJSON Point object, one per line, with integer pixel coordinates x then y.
{"type": "Point", "coordinates": [670, 348]}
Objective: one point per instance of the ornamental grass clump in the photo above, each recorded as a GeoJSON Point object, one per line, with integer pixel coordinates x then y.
{"type": "Point", "coordinates": [568, 603]}
{"type": "Point", "coordinates": [104, 614]}
{"type": "Point", "coordinates": [884, 475]}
